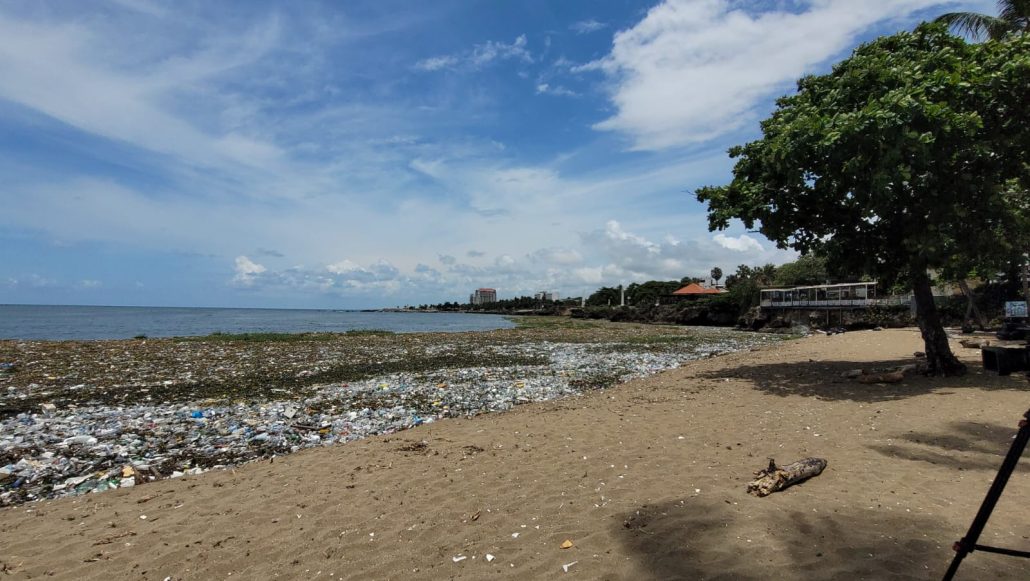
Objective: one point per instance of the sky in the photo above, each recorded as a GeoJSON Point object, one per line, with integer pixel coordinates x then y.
{"type": "Point", "coordinates": [369, 154]}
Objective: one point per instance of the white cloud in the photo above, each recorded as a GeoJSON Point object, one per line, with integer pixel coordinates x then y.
{"type": "Point", "coordinates": [493, 50]}
{"type": "Point", "coordinates": [480, 56]}
{"type": "Point", "coordinates": [742, 243]}
{"type": "Point", "coordinates": [342, 267]}
{"type": "Point", "coordinates": [589, 275]}
{"type": "Point", "coordinates": [587, 26]}
{"type": "Point", "coordinates": [437, 62]}
{"type": "Point", "coordinates": [629, 257]}
{"type": "Point", "coordinates": [31, 281]}
{"type": "Point", "coordinates": [548, 89]}
{"type": "Point", "coordinates": [692, 70]}
{"type": "Point", "coordinates": [90, 283]}
{"type": "Point", "coordinates": [557, 256]}
{"type": "Point", "coordinates": [246, 271]}
{"type": "Point", "coordinates": [607, 256]}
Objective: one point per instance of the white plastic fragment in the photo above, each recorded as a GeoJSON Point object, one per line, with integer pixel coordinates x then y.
{"type": "Point", "coordinates": [459, 558]}
{"type": "Point", "coordinates": [568, 566]}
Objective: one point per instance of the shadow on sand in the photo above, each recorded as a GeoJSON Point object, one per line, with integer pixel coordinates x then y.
{"type": "Point", "coordinates": [761, 539]}
{"type": "Point", "coordinates": [823, 380]}
{"type": "Point", "coordinates": [961, 445]}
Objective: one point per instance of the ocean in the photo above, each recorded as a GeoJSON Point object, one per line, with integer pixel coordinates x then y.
{"type": "Point", "coordinates": [55, 322]}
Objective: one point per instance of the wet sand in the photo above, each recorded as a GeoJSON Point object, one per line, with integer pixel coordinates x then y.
{"type": "Point", "coordinates": [646, 479]}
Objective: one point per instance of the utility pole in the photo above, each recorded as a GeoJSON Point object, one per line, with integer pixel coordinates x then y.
{"type": "Point", "coordinates": [622, 296]}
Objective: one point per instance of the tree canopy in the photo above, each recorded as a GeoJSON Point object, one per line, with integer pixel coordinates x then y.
{"type": "Point", "coordinates": [716, 274]}
{"type": "Point", "coordinates": [806, 270]}
{"type": "Point", "coordinates": [910, 155]}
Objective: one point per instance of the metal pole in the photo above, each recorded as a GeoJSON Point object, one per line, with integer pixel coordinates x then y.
{"type": "Point", "coordinates": [968, 543]}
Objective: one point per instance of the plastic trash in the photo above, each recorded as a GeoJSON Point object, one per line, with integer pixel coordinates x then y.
{"type": "Point", "coordinates": [68, 448]}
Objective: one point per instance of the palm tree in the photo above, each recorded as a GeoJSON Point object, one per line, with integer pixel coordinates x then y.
{"type": "Point", "coordinates": [1013, 16]}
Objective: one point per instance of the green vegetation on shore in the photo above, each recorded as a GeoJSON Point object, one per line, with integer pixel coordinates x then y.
{"type": "Point", "coordinates": [281, 337]}
{"type": "Point", "coordinates": [553, 322]}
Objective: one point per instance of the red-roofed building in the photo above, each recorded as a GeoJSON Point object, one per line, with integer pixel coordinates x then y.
{"type": "Point", "coordinates": [695, 291]}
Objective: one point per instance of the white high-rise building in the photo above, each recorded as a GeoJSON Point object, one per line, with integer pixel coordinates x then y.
{"type": "Point", "coordinates": [483, 296]}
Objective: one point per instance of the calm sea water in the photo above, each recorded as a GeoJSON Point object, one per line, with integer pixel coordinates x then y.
{"type": "Point", "coordinates": [65, 322]}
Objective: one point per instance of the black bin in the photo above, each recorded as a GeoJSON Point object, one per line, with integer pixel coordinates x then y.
{"type": "Point", "coordinates": [1004, 360]}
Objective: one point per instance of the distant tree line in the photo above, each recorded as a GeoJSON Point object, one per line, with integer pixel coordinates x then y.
{"type": "Point", "coordinates": [523, 303]}
{"type": "Point", "coordinates": [653, 300]}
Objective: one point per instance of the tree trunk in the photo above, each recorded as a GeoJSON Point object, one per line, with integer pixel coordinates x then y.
{"type": "Point", "coordinates": [939, 358]}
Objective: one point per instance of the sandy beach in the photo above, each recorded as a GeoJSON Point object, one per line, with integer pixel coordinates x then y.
{"type": "Point", "coordinates": [647, 479]}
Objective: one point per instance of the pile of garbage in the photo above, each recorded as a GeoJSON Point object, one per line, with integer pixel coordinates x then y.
{"type": "Point", "coordinates": [59, 450]}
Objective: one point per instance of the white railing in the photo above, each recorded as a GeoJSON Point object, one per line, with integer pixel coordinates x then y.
{"type": "Point", "coordinates": [826, 303]}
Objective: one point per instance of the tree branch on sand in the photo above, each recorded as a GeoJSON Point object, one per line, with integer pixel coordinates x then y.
{"type": "Point", "coordinates": [775, 478]}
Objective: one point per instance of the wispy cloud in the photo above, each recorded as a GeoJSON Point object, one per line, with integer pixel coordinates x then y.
{"type": "Point", "coordinates": [31, 281]}
{"type": "Point", "coordinates": [63, 71]}
{"type": "Point", "coordinates": [437, 62]}
{"type": "Point", "coordinates": [558, 90]}
{"type": "Point", "coordinates": [480, 56]}
{"type": "Point", "coordinates": [587, 26]}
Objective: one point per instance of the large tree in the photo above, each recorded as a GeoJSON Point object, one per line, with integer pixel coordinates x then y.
{"type": "Point", "coordinates": [910, 155]}
{"type": "Point", "coordinates": [650, 292]}
{"type": "Point", "coordinates": [806, 270]}
{"type": "Point", "coordinates": [1013, 17]}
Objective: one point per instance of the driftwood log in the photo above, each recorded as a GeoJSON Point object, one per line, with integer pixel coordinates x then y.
{"type": "Point", "coordinates": [974, 343]}
{"type": "Point", "coordinates": [896, 376]}
{"type": "Point", "coordinates": [776, 478]}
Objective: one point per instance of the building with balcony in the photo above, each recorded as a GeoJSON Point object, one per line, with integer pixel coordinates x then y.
{"type": "Point", "coordinates": [827, 296]}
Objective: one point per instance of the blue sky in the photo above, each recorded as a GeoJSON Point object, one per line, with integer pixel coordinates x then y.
{"type": "Point", "coordinates": [364, 154]}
